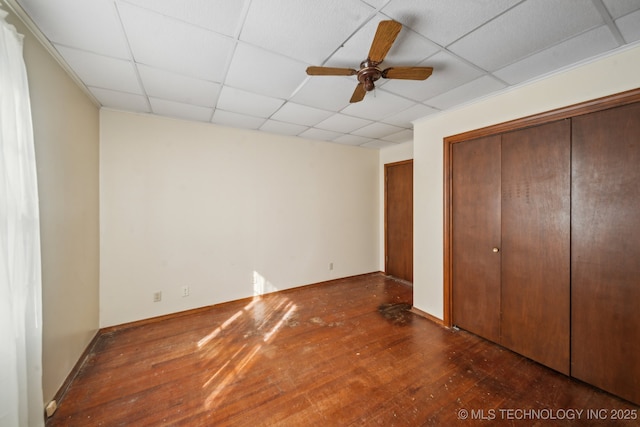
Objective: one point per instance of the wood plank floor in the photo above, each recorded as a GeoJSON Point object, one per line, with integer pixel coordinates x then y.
{"type": "Point", "coordinates": [342, 353]}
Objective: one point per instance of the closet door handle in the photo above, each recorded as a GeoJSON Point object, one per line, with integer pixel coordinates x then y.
{"type": "Point", "coordinates": [496, 250]}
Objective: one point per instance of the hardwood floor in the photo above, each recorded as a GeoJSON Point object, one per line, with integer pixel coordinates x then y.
{"type": "Point", "coordinates": [341, 353]}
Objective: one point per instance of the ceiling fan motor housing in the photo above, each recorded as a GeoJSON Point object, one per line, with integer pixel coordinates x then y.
{"type": "Point", "coordinates": [368, 74]}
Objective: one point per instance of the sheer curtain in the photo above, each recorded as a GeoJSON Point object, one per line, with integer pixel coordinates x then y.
{"type": "Point", "coordinates": [21, 400]}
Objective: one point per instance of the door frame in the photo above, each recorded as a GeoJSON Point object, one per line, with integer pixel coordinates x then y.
{"type": "Point", "coordinates": [591, 106]}
{"type": "Point", "coordinates": [386, 236]}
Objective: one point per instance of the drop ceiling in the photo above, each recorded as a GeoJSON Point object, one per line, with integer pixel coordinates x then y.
{"type": "Point", "coordinates": [241, 63]}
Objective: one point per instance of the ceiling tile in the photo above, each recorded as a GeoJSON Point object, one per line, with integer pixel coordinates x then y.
{"type": "Point", "coordinates": [629, 26]}
{"type": "Point", "coordinates": [300, 114]}
{"type": "Point", "coordinates": [236, 120]}
{"type": "Point", "coordinates": [221, 16]}
{"type": "Point", "coordinates": [174, 87]}
{"type": "Point", "coordinates": [274, 126]}
{"type": "Point", "coordinates": [321, 134]}
{"type": "Point", "coordinates": [279, 79]}
{"type": "Point", "coordinates": [92, 26]}
{"type": "Point", "coordinates": [354, 50]}
{"type": "Point", "coordinates": [377, 105]}
{"type": "Point", "coordinates": [409, 48]}
{"type": "Point", "coordinates": [445, 21]}
{"type": "Point", "coordinates": [376, 3]}
{"type": "Point", "coordinates": [352, 140]}
{"type": "Point", "coordinates": [377, 130]}
{"type": "Point", "coordinates": [378, 144]}
{"type": "Point", "coordinates": [405, 135]}
{"type": "Point", "coordinates": [240, 101]}
{"type": "Point", "coordinates": [179, 110]}
{"type": "Point", "coordinates": [406, 117]}
{"type": "Point", "coordinates": [242, 63]}
{"type": "Point", "coordinates": [327, 92]}
{"type": "Point", "coordinates": [343, 123]}
{"type": "Point", "coordinates": [305, 31]}
{"type": "Point", "coordinates": [527, 28]}
{"type": "Point", "coordinates": [121, 100]}
{"type": "Point", "coordinates": [166, 43]}
{"type": "Point", "coordinates": [618, 8]}
{"type": "Point", "coordinates": [448, 72]}
{"type": "Point", "coordinates": [102, 71]}
{"type": "Point", "coordinates": [586, 45]}
{"type": "Point", "coordinates": [467, 92]}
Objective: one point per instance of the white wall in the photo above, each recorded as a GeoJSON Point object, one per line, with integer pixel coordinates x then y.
{"type": "Point", "coordinates": [609, 75]}
{"type": "Point", "coordinates": [391, 154]}
{"type": "Point", "coordinates": [65, 127]}
{"type": "Point", "coordinates": [227, 212]}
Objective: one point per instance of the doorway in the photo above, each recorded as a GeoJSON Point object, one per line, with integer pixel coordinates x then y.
{"type": "Point", "coordinates": [398, 220]}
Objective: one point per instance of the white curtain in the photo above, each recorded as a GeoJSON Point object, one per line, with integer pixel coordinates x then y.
{"type": "Point", "coordinates": [21, 400]}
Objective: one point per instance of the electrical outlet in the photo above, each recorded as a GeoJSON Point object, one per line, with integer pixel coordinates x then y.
{"type": "Point", "coordinates": [330, 266]}
{"type": "Point", "coordinates": [185, 291]}
{"type": "Point", "coordinates": [157, 297]}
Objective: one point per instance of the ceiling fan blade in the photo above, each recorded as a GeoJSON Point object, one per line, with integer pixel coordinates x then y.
{"type": "Point", "coordinates": [407, 73]}
{"type": "Point", "coordinates": [358, 94]}
{"type": "Point", "coordinates": [330, 71]}
{"type": "Point", "coordinates": [385, 36]}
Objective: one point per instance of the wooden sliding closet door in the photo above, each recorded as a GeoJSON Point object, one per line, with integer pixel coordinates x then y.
{"type": "Point", "coordinates": [476, 232]}
{"type": "Point", "coordinates": [536, 173]}
{"type": "Point", "coordinates": [605, 257]}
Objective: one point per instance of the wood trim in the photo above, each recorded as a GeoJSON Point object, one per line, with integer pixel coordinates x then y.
{"type": "Point", "coordinates": [447, 317]}
{"type": "Point", "coordinates": [401, 162]}
{"type": "Point", "coordinates": [599, 104]}
{"type": "Point", "coordinates": [151, 320]}
{"type": "Point", "coordinates": [386, 167]}
{"type": "Point", "coordinates": [157, 319]}
{"type": "Point", "coordinates": [62, 391]}
{"type": "Point", "coordinates": [586, 107]}
{"type": "Point", "coordinates": [426, 315]}
{"type": "Point", "coordinates": [313, 368]}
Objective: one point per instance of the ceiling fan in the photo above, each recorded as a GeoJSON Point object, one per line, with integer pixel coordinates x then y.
{"type": "Point", "coordinates": [369, 72]}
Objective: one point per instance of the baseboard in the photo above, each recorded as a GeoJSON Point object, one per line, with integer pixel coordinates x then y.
{"type": "Point", "coordinates": [397, 279]}
{"type": "Point", "coordinates": [62, 391]}
{"type": "Point", "coordinates": [59, 396]}
{"type": "Point", "coordinates": [164, 317]}
{"type": "Point", "coordinates": [426, 316]}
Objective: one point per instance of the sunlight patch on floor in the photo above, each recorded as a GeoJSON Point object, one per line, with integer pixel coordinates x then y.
{"type": "Point", "coordinates": [219, 329]}
{"type": "Point", "coordinates": [235, 370]}
{"type": "Point", "coordinates": [292, 309]}
{"type": "Point", "coordinates": [260, 320]}
{"type": "Point", "coordinates": [213, 377]}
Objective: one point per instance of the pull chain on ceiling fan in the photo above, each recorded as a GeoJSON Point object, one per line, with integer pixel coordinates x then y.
{"type": "Point", "coordinates": [369, 72]}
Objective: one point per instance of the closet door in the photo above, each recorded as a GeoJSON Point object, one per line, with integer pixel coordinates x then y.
{"type": "Point", "coordinates": [476, 232]}
{"type": "Point", "coordinates": [536, 243]}
{"type": "Point", "coordinates": [605, 258]}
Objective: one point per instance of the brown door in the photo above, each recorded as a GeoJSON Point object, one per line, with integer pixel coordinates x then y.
{"type": "Point", "coordinates": [399, 220]}
{"type": "Point", "coordinates": [476, 236]}
{"type": "Point", "coordinates": [536, 167]}
{"type": "Point", "coordinates": [605, 259]}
